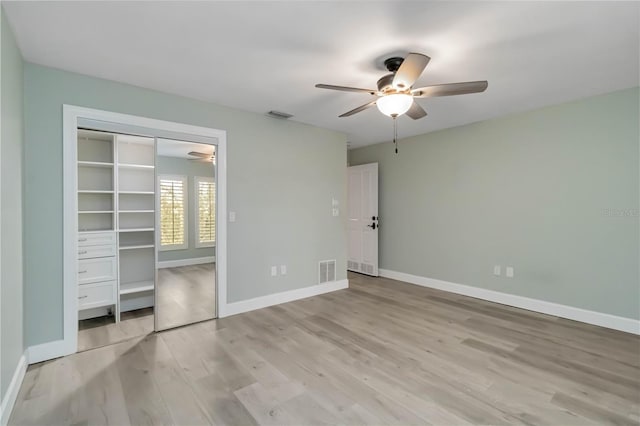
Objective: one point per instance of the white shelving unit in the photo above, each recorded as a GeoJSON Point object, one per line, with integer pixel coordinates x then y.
{"type": "Point", "coordinates": [136, 178]}
{"type": "Point", "coordinates": [116, 223]}
{"type": "Point", "coordinates": [97, 254]}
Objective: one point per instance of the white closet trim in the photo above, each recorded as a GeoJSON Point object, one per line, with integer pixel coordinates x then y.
{"type": "Point", "coordinates": [72, 116]}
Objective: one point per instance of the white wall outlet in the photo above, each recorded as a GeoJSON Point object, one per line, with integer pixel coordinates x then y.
{"type": "Point", "coordinates": [334, 202]}
{"type": "Point", "coordinates": [336, 212]}
{"type": "Point", "coordinates": [232, 216]}
{"type": "Point", "coordinates": [274, 271]}
{"type": "Point", "coordinates": [509, 272]}
{"type": "Point", "coordinates": [283, 269]}
{"type": "Point", "coordinates": [497, 270]}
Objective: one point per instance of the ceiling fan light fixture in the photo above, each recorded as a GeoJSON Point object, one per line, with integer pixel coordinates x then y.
{"type": "Point", "coordinates": [395, 105]}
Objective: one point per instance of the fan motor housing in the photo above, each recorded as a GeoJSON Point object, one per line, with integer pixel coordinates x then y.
{"type": "Point", "coordinates": [393, 64]}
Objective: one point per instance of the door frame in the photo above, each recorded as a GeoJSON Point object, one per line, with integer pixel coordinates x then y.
{"type": "Point", "coordinates": [70, 116]}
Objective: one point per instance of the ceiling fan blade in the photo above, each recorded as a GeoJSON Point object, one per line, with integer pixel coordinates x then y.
{"type": "Point", "coordinates": [410, 70]}
{"type": "Point", "coordinates": [450, 89]}
{"type": "Point", "coordinates": [346, 89]}
{"type": "Point", "coordinates": [200, 154]}
{"type": "Point", "coordinates": [357, 110]}
{"type": "Point", "coordinates": [416, 111]}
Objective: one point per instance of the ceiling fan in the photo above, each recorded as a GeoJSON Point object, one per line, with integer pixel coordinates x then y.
{"type": "Point", "coordinates": [202, 157]}
{"type": "Point", "coordinates": [395, 95]}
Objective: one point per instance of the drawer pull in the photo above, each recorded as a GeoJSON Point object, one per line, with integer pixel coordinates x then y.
{"type": "Point", "coordinates": [82, 240]}
{"type": "Point", "coordinates": [82, 297]}
{"type": "Point", "coordinates": [82, 272]}
{"type": "Point", "coordinates": [82, 252]}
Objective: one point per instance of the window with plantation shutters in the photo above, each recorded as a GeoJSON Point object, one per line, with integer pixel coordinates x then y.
{"type": "Point", "coordinates": [173, 212]}
{"type": "Point", "coordinates": [206, 212]}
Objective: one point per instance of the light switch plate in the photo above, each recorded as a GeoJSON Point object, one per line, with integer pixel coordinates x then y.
{"type": "Point", "coordinates": [509, 272]}
{"type": "Point", "coordinates": [232, 216]}
{"type": "Point", "coordinates": [497, 270]}
{"type": "Point", "coordinates": [274, 271]}
{"type": "Point", "coordinates": [283, 269]}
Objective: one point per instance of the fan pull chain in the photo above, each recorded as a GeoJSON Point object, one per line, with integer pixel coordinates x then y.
{"type": "Point", "coordinates": [395, 133]}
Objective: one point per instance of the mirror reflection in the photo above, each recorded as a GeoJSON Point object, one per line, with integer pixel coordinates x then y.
{"type": "Point", "coordinates": [186, 218]}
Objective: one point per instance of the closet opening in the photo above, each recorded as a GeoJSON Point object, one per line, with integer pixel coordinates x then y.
{"type": "Point", "coordinates": [113, 259]}
{"type": "Point", "coordinates": [146, 215]}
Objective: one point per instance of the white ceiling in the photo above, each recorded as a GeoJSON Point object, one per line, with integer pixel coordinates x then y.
{"type": "Point", "coordinates": [181, 149]}
{"type": "Point", "coordinates": [263, 56]}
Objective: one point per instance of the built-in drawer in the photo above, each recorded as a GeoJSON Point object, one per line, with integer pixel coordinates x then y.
{"type": "Point", "coordinates": [96, 270]}
{"type": "Point", "coordinates": [96, 295]}
{"type": "Point", "coordinates": [104, 250]}
{"type": "Point", "coordinates": [96, 239]}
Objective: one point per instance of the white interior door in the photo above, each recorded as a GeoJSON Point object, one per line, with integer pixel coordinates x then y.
{"type": "Point", "coordinates": [362, 203]}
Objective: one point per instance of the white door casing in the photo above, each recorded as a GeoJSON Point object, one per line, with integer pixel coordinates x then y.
{"type": "Point", "coordinates": [362, 206]}
{"type": "Point", "coordinates": [71, 117]}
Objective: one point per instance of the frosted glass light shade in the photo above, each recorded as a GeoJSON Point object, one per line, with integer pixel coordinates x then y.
{"type": "Point", "coordinates": [395, 105]}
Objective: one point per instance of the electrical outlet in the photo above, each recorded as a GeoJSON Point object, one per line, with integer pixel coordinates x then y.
{"type": "Point", "coordinates": [336, 212]}
{"type": "Point", "coordinates": [283, 269]}
{"type": "Point", "coordinates": [509, 272]}
{"type": "Point", "coordinates": [232, 216]}
{"type": "Point", "coordinates": [274, 271]}
{"type": "Point", "coordinates": [497, 270]}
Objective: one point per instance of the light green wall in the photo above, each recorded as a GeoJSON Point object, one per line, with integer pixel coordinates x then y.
{"type": "Point", "coordinates": [542, 191]}
{"type": "Point", "coordinates": [190, 169]}
{"type": "Point", "coordinates": [11, 144]}
{"type": "Point", "coordinates": [281, 178]}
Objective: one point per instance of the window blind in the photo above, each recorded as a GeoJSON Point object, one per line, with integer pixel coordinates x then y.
{"type": "Point", "coordinates": [172, 214]}
{"type": "Point", "coordinates": [206, 212]}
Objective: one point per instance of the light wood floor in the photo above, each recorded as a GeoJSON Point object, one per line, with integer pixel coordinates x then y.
{"type": "Point", "coordinates": [102, 331]}
{"type": "Point", "coordinates": [186, 294]}
{"type": "Point", "coordinates": [381, 352]}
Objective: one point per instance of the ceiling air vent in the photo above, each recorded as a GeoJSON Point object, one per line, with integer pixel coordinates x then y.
{"type": "Point", "coordinates": [278, 114]}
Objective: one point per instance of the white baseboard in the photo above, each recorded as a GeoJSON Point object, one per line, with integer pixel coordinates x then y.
{"type": "Point", "coordinates": [284, 297]}
{"type": "Point", "coordinates": [577, 314]}
{"type": "Point", "coordinates": [12, 391]}
{"type": "Point", "coordinates": [47, 351]}
{"type": "Point", "coordinates": [186, 262]}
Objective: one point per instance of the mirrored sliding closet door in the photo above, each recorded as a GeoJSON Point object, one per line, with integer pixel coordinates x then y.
{"type": "Point", "coordinates": [185, 233]}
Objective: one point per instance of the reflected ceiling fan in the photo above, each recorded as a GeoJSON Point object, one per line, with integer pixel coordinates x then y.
{"type": "Point", "coordinates": [395, 95]}
{"type": "Point", "coordinates": [202, 157]}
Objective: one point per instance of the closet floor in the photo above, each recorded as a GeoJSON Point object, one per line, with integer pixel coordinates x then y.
{"type": "Point", "coordinates": [97, 332]}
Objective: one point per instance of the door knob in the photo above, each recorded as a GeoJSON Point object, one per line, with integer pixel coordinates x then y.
{"type": "Point", "coordinates": [373, 225]}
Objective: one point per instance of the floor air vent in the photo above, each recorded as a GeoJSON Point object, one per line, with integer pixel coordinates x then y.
{"type": "Point", "coordinates": [367, 269]}
{"type": "Point", "coordinates": [327, 271]}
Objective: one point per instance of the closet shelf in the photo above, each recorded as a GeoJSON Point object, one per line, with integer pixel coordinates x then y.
{"type": "Point", "coordinates": [94, 164]}
{"type": "Point", "coordinates": [135, 166]}
{"type": "Point", "coordinates": [136, 192]}
{"type": "Point", "coordinates": [94, 191]}
{"type": "Point", "coordinates": [95, 211]}
{"type": "Point", "coordinates": [141, 246]}
{"type": "Point", "coordinates": [136, 211]}
{"type": "Point", "coordinates": [136, 287]}
{"type": "Point", "coordinates": [136, 230]}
